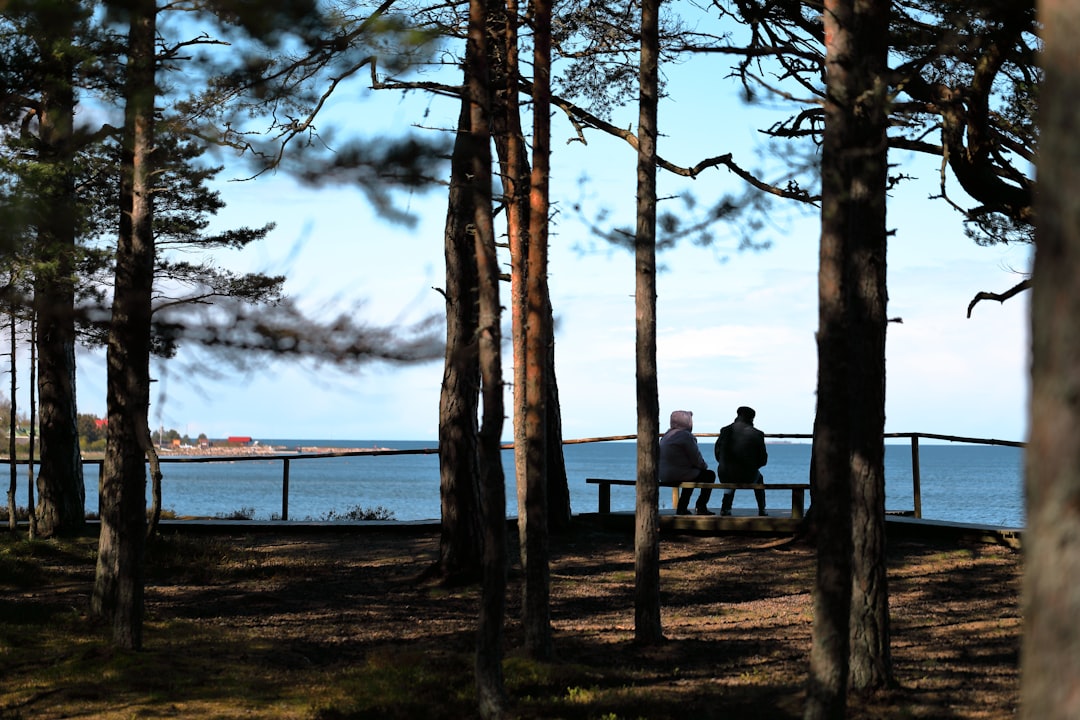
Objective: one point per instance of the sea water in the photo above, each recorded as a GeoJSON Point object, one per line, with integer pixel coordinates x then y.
{"type": "Point", "coordinates": [959, 482]}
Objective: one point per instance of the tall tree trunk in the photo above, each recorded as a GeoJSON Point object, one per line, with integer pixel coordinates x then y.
{"type": "Point", "coordinates": [647, 627]}
{"type": "Point", "coordinates": [528, 286]}
{"type": "Point", "coordinates": [61, 492]}
{"type": "Point", "coordinates": [1050, 654]}
{"type": "Point", "coordinates": [537, 308]}
{"type": "Point", "coordinates": [851, 628]}
{"type": "Point", "coordinates": [502, 18]}
{"type": "Point", "coordinates": [866, 157]}
{"type": "Point", "coordinates": [461, 543]}
{"type": "Point", "coordinates": [118, 587]}
{"type": "Point", "coordinates": [830, 645]}
{"type": "Point", "coordinates": [490, 686]}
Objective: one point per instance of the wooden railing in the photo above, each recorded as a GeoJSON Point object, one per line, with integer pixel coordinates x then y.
{"type": "Point", "coordinates": [288, 458]}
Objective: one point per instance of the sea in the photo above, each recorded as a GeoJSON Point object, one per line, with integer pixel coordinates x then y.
{"type": "Point", "coordinates": [959, 482]}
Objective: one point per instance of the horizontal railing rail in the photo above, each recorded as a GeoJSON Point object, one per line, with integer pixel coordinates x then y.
{"type": "Point", "coordinates": [287, 458]}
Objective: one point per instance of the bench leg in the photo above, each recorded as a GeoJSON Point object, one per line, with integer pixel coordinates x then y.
{"type": "Point", "coordinates": [797, 504]}
{"type": "Point", "coordinates": [605, 499]}
{"type": "Point", "coordinates": [675, 497]}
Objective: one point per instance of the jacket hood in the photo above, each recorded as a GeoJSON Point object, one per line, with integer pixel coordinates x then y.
{"type": "Point", "coordinates": [682, 420]}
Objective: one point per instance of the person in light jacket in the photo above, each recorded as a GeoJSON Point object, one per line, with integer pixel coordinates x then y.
{"type": "Point", "coordinates": [681, 461]}
{"type": "Point", "coordinates": [740, 453]}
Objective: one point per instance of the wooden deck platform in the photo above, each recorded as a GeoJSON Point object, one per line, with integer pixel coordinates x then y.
{"type": "Point", "coordinates": [779, 523]}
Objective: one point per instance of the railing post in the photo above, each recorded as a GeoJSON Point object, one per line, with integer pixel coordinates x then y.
{"type": "Point", "coordinates": [916, 489]}
{"type": "Point", "coordinates": [285, 489]}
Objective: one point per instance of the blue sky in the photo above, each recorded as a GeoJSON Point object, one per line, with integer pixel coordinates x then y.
{"type": "Point", "coordinates": [735, 328]}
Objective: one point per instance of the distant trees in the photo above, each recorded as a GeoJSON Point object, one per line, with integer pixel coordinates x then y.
{"type": "Point", "coordinates": [43, 145]}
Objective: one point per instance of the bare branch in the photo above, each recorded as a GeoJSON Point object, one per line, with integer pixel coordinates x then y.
{"type": "Point", "coordinates": [1000, 297]}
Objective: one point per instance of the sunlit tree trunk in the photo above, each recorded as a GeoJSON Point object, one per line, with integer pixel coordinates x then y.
{"type": "Point", "coordinates": [461, 545]}
{"type": "Point", "coordinates": [118, 587]}
{"type": "Point", "coordinates": [647, 627]}
{"type": "Point", "coordinates": [537, 343]}
{"type": "Point", "coordinates": [528, 436]}
{"type": "Point", "coordinates": [1050, 654]}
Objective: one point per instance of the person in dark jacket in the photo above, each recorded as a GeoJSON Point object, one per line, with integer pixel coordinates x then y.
{"type": "Point", "coordinates": [740, 453]}
{"type": "Point", "coordinates": [681, 461]}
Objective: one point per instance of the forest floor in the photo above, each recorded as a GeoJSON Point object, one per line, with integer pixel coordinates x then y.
{"type": "Point", "coordinates": [332, 624]}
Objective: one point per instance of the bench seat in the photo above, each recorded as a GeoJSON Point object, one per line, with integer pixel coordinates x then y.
{"type": "Point", "coordinates": [798, 491]}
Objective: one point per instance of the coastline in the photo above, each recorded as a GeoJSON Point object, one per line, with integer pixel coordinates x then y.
{"type": "Point", "coordinates": [259, 450]}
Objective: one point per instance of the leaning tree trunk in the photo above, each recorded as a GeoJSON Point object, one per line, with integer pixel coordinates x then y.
{"type": "Point", "coordinates": [118, 587]}
{"type": "Point", "coordinates": [61, 492]}
{"type": "Point", "coordinates": [1050, 655]}
{"type": "Point", "coordinates": [461, 540]}
{"type": "Point", "coordinates": [647, 627]}
{"type": "Point", "coordinates": [558, 489]}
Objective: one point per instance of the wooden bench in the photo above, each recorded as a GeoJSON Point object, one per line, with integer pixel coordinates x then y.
{"type": "Point", "coordinates": [798, 492]}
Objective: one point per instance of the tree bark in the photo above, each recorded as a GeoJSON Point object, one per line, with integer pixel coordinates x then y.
{"type": "Point", "coordinates": [461, 542]}
{"type": "Point", "coordinates": [61, 492]}
{"type": "Point", "coordinates": [851, 622]}
{"type": "Point", "coordinates": [529, 441]}
{"type": "Point", "coordinates": [538, 640]}
{"type": "Point", "coordinates": [13, 520]}
{"type": "Point", "coordinates": [118, 587]}
{"type": "Point", "coordinates": [491, 689]}
{"type": "Point", "coordinates": [866, 176]}
{"type": "Point", "coordinates": [647, 626]}
{"type": "Point", "coordinates": [1050, 653]}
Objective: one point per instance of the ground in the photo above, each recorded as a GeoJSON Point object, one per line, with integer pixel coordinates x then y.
{"type": "Point", "coordinates": [335, 624]}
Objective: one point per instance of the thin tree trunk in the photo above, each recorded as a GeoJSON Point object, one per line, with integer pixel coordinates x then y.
{"type": "Point", "coordinates": [529, 454]}
{"type": "Point", "coordinates": [461, 543]}
{"type": "Point", "coordinates": [491, 690]}
{"type": "Point", "coordinates": [31, 448]}
{"type": "Point", "coordinates": [538, 641]}
{"type": "Point", "coordinates": [118, 588]}
{"type": "Point", "coordinates": [1050, 654]}
{"type": "Point", "coordinates": [647, 627]}
{"type": "Point", "coordinates": [558, 489]}
{"type": "Point", "coordinates": [155, 483]}
{"type": "Point", "coordinates": [13, 521]}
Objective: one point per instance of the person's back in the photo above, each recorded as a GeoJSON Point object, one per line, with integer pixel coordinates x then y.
{"type": "Point", "coordinates": [740, 454]}
{"type": "Point", "coordinates": [681, 461]}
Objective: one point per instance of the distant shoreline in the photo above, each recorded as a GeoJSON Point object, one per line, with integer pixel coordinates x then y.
{"type": "Point", "coordinates": [249, 450]}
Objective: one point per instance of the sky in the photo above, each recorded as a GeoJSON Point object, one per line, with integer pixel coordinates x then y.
{"type": "Point", "coordinates": [734, 327]}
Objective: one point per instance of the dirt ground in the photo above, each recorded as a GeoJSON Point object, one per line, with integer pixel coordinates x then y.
{"type": "Point", "coordinates": [737, 618]}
